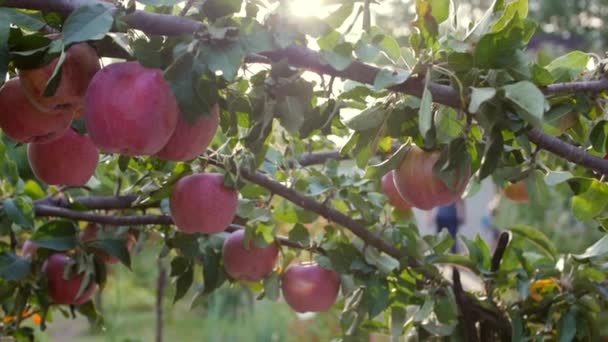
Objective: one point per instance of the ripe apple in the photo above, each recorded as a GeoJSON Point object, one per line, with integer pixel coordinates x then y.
{"type": "Point", "coordinates": [61, 290]}
{"type": "Point", "coordinates": [191, 139]}
{"type": "Point", "coordinates": [22, 122]}
{"type": "Point", "coordinates": [419, 186]}
{"type": "Point", "coordinates": [29, 248]}
{"type": "Point", "coordinates": [248, 263]}
{"type": "Point", "coordinates": [517, 192]}
{"type": "Point", "coordinates": [389, 189]}
{"type": "Point", "coordinates": [89, 234]}
{"type": "Point", "coordinates": [68, 160]}
{"type": "Point", "coordinates": [80, 65]}
{"type": "Point", "coordinates": [310, 287]}
{"type": "Point", "coordinates": [130, 109]}
{"type": "Point", "coordinates": [201, 203]}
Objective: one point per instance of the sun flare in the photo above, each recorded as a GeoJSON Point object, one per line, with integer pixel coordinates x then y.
{"type": "Point", "coordinates": [307, 8]}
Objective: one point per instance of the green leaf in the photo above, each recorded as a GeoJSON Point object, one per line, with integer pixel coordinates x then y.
{"type": "Point", "coordinates": [445, 306]}
{"type": "Point", "coordinates": [89, 310]}
{"type": "Point", "coordinates": [454, 259]}
{"type": "Point", "coordinates": [212, 272]}
{"type": "Point", "coordinates": [293, 110]}
{"type": "Point", "coordinates": [58, 235]}
{"type": "Point", "coordinates": [528, 100]}
{"type": "Point", "coordinates": [599, 136]}
{"type": "Point", "coordinates": [339, 57]}
{"type": "Point", "coordinates": [556, 177]}
{"type": "Point", "coordinates": [116, 247]}
{"type": "Point", "coordinates": [492, 154]}
{"type": "Point", "coordinates": [272, 286]}
{"type": "Point", "coordinates": [393, 162]}
{"type": "Point", "coordinates": [337, 18]}
{"type": "Point", "coordinates": [425, 121]}
{"type": "Point", "coordinates": [183, 283]}
{"type": "Point", "coordinates": [33, 190]}
{"type": "Point", "coordinates": [517, 7]}
{"type": "Point", "coordinates": [376, 296]}
{"type": "Point", "coordinates": [224, 58]}
{"type": "Point", "coordinates": [448, 124]}
{"type": "Point", "coordinates": [479, 96]}
{"type": "Point", "coordinates": [299, 234]}
{"type": "Point", "coordinates": [597, 250]}
{"type": "Point", "coordinates": [90, 22]}
{"type": "Point", "coordinates": [454, 164]}
{"type": "Point", "coordinates": [20, 210]}
{"type": "Point", "coordinates": [592, 202]}
{"type": "Point", "coordinates": [568, 66]}
{"type": "Point", "coordinates": [53, 82]}
{"type": "Point", "coordinates": [370, 118]}
{"type": "Point", "coordinates": [385, 263]}
{"type": "Point", "coordinates": [567, 327]}
{"type": "Point", "coordinates": [537, 237]}
{"type": "Point", "coordinates": [537, 188]}
{"type": "Point", "coordinates": [386, 78]}
{"type": "Point", "coordinates": [398, 319]}
{"type": "Point", "coordinates": [425, 310]}
{"type": "Point", "coordinates": [440, 9]}
{"type": "Point", "coordinates": [13, 267]}
{"type": "Point", "coordinates": [27, 21]}
{"type": "Point", "coordinates": [215, 9]}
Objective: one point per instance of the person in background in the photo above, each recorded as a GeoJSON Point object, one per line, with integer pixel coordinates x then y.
{"type": "Point", "coordinates": [487, 221]}
{"type": "Point", "coordinates": [450, 217]}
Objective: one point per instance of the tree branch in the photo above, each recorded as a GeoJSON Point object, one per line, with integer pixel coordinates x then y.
{"type": "Point", "coordinates": [43, 209]}
{"type": "Point", "coordinates": [302, 57]}
{"type": "Point", "coordinates": [333, 215]}
{"type": "Point", "coordinates": [594, 86]}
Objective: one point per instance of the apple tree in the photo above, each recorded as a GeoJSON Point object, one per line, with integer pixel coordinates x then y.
{"type": "Point", "coordinates": [287, 153]}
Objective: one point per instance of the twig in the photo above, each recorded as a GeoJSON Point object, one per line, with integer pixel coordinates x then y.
{"type": "Point", "coordinates": [467, 322]}
{"type": "Point", "coordinates": [160, 293]}
{"type": "Point", "coordinates": [187, 6]}
{"type": "Point", "coordinates": [499, 252]}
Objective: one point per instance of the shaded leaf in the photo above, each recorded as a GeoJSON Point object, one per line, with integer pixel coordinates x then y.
{"type": "Point", "coordinates": [537, 237]}
{"type": "Point", "coordinates": [59, 235]}
{"type": "Point", "coordinates": [90, 22]}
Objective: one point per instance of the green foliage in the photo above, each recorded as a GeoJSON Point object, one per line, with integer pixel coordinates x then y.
{"type": "Point", "coordinates": [275, 116]}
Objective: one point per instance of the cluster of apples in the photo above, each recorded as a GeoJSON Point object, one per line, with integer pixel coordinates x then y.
{"type": "Point", "coordinates": [127, 108]}
{"type": "Point", "coordinates": [413, 183]}
{"type": "Point", "coordinates": [63, 290]}
{"type": "Point", "coordinates": [130, 109]}
{"type": "Point", "coordinates": [201, 203]}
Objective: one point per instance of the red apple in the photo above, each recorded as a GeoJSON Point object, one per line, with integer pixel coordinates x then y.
{"type": "Point", "coordinates": [191, 139]}
{"type": "Point", "coordinates": [248, 263]}
{"type": "Point", "coordinates": [89, 234]}
{"type": "Point", "coordinates": [68, 160]}
{"type": "Point", "coordinates": [130, 109]}
{"type": "Point", "coordinates": [388, 186]}
{"type": "Point", "coordinates": [61, 290]}
{"type": "Point", "coordinates": [80, 65]}
{"type": "Point", "coordinates": [419, 186]}
{"type": "Point", "coordinates": [517, 192]}
{"type": "Point", "coordinates": [29, 248]}
{"type": "Point", "coordinates": [310, 287]}
{"type": "Point", "coordinates": [201, 203]}
{"type": "Point", "coordinates": [24, 123]}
